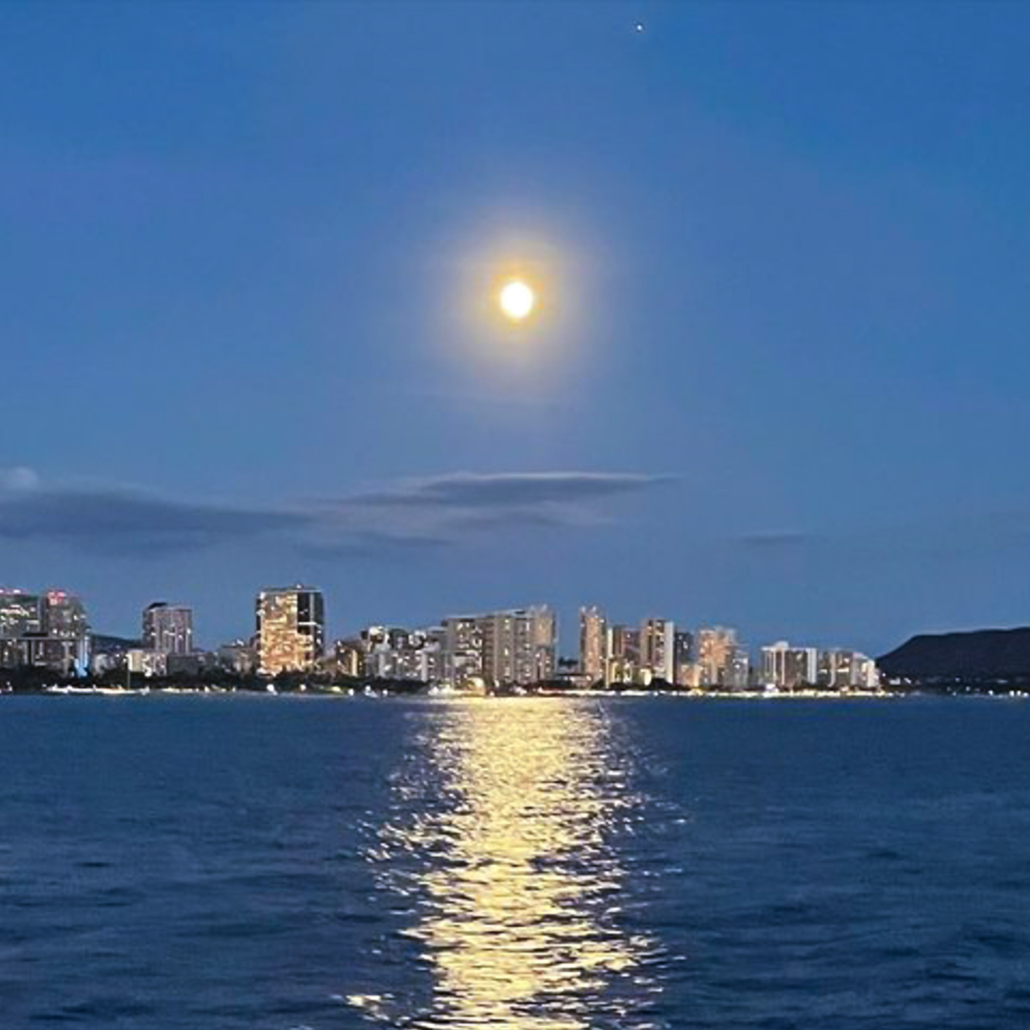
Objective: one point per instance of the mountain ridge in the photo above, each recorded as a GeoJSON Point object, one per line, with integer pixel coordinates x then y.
{"type": "Point", "coordinates": [980, 654]}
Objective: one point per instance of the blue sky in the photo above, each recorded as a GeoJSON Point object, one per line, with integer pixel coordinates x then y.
{"type": "Point", "coordinates": [781, 378]}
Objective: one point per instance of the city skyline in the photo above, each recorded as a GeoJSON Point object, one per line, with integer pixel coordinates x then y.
{"type": "Point", "coordinates": [513, 647]}
{"type": "Point", "coordinates": [185, 636]}
{"type": "Point", "coordinates": [771, 377]}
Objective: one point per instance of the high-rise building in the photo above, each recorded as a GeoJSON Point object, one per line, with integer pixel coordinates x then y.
{"type": "Point", "coordinates": [716, 646]}
{"type": "Point", "coordinates": [66, 626]}
{"type": "Point", "coordinates": [509, 648]}
{"type": "Point", "coordinates": [623, 654]}
{"type": "Point", "coordinates": [396, 653]}
{"type": "Point", "coordinates": [49, 631]}
{"type": "Point", "coordinates": [867, 674]}
{"type": "Point", "coordinates": [839, 669]}
{"type": "Point", "coordinates": [657, 648]}
{"type": "Point", "coordinates": [788, 668]}
{"type": "Point", "coordinates": [501, 647]}
{"type": "Point", "coordinates": [168, 628]}
{"type": "Point", "coordinates": [349, 658]}
{"type": "Point", "coordinates": [20, 613]}
{"type": "Point", "coordinates": [463, 650]}
{"type": "Point", "coordinates": [64, 615]}
{"type": "Point", "coordinates": [738, 672]}
{"type": "Point", "coordinates": [593, 644]}
{"type": "Point", "coordinates": [683, 665]}
{"type": "Point", "coordinates": [519, 646]}
{"type": "Point", "coordinates": [290, 629]}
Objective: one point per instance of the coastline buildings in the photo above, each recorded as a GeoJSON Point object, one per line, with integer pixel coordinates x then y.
{"type": "Point", "coordinates": [146, 662]}
{"type": "Point", "coordinates": [516, 647]}
{"type": "Point", "coordinates": [237, 657]}
{"type": "Point", "coordinates": [805, 668]}
{"type": "Point", "coordinates": [348, 658]}
{"type": "Point", "coordinates": [463, 650]}
{"type": "Point", "coordinates": [512, 648]}
{"type": "Point", "coordinates": [520, 647]}
{"type": "Point", "coordinates": [168, 628]}
{"type": "Point", "coordinates": [624, 655]}
{"type": "Point", "coordinates": [395, 653]}
{"type": "Point", "coordinates": [593, 645]}
{"type": "Point", "coordinates": [788, 668]}
{"type": "Point", "coordinates": [49, 631]}
{"type": "Point", "coordinates": [684, 669]}
{"type": "Point", "coordinates": [166, 644]}
{"type": "Point", "coordinates": [738, 671]}
{"type": "Point", "coordinates": [20, 613]}
{"type": "Point", "coordinates": [290, 629]}
{"type": "Point", "coordinates": [839, 669]}
{"type": "Point", "coordinates": [657, 649]}
{"type": "Point", "coordinates": [719, 663]}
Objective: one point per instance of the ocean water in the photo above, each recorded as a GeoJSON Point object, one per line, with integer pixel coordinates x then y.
{"type": "Point", "coordinates": [214, 863]}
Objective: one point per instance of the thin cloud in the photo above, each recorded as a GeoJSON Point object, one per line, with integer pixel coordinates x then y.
{"type": "Point", "coordinates": [471, 490]}
{"type": "Point", "coordinates": [122, 520]}
{"type": "Point", "coordinates": [425, 513]}
{"type": "Point", "coordinates": [942, 536]}
{"type": "Point", "coordinates": [18, 478]}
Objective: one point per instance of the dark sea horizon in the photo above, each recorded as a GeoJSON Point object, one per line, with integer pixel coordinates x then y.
{"type": "Point", "coordinates": [306, 863]}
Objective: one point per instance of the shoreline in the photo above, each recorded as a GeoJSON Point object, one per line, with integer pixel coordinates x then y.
{"type": "Point", "coordinates": [370, 693]}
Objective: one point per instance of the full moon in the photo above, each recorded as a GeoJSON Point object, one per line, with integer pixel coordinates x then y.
{"type": "Point", "coordinates": [517, 300]}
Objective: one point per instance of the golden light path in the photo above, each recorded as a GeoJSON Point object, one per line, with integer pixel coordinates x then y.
{"type": "Point", "coordinates": [517, 881]}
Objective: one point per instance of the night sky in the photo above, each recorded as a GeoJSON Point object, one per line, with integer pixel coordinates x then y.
{"type": "Point", "coordinates": [778, 380]}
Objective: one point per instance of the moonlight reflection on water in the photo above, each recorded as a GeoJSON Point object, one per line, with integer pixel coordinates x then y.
{"type": "Point", "coordinates": [505, 829]}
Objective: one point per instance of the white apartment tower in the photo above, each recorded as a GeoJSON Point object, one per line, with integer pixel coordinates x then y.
{"type": "Point", "coordinates": [658, 648]}
{"type": "Point", "coordinates": [593, 644]}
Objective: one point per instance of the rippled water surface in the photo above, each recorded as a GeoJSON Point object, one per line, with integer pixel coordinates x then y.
{"type": "Point", "coordinates": [540, 864]}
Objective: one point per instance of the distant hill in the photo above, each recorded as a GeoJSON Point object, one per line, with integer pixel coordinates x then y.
{"type": "Point", "coordinates": [980, 654]}
{"type": "Point", "coordinates": [106, 644]}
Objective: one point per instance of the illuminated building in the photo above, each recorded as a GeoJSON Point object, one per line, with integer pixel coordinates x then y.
{"type": "Point", "coordinates": [47, 631]}
{"type": "Point", "coordinates": [434, 654]}
{"type": "Point", "coordinates": [847, 670]}
{"type": "Point", "coordinates": [20, 613]}
{"type": "Point", "coordinates": [168, 628]}
{"type": "Point", "coordinates": [349, 658]}
{"type": "Point", "coordinates": [519, 646]}
{"type": "Point", "coordinates": [510, 648]}
{"type": "Point", "coordinates": [146, 662]}
{"type": "Point", "coordinates": [788, 668]}
{"type": "Point", "coordinates": [623, 654]}
{"type": "Point", "coordinates": [867, 675]}
{"type": "Point", "coordinates": [64, 615]}
{"type": "Point", "coordinates": [657, 648]}
{"type": "Point", "coordinates": [593, 645]}
{"type": "Point", "coordinates": [716, 647]}
{"type": "Point", "coordinates": [237, 657]}
{"type": "Point", "coordinates": [463, 650]}
{"type": "Point", "coordinates": [688, 676]}
{"type": "Point", "coordinates": [290, 629]}
{"type": "Point", "coordinates": [738, 671]}
{"type": "Point", "coordinates": [67, 630]}
{"type": "Point", "coordinates": [684, 669]}
{"type": "Point", "coordinates": [395, 653]}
